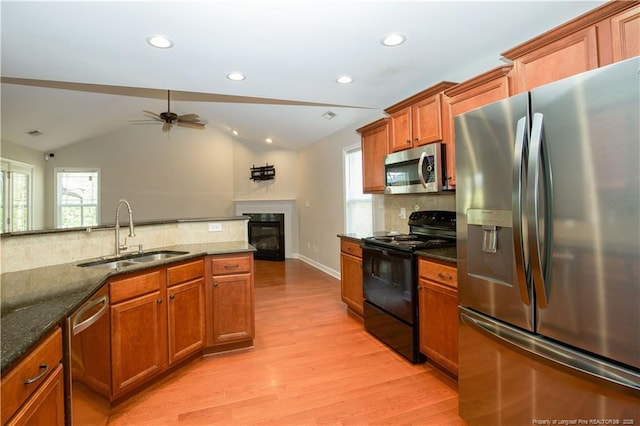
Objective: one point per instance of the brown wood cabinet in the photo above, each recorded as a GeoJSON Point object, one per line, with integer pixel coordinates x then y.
{"type": "Point", "coordinates": [420, 119]}
{"type": "Point", "coordinates": [138, 329]}
{"type": "Point", "coordinates": [625, 34]}
{"type": "Point", "coordinates": [351, 276]}
{"type": "Point", "coordinates": [46, 405]}
{"type": "Point", "coordinates": [438, 313]}
{"type": "Point", "coordinates": [602, 36]}
{"type": "Point", "coordinates": [375, 145]}
{"type": "Point", "coordinates": [481, 90]}
{"type": "Point", "coordinates": [33, 391]}
{"type": "Point", "coordinates": [231, 322]}
{"type": "Point", "coordinates": [186, 309]}
{"type": "Point", "coordinates": [157, 319]}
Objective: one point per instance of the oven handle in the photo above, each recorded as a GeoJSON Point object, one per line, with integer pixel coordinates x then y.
{"type": "Point", "coordinates": [385, 251]}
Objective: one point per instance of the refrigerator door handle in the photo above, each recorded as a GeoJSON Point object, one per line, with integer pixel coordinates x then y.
{"type": "Point", "coordinates": [420, 175]}
{"type": "Point", "coordinates": [550, 351]}
{"type": "Point", "coordinates": [518, 178]}
{"type": "Point", "coordinates": [540, 259]}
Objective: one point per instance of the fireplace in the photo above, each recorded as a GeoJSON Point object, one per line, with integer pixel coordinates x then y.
{"type": "Point", "coordinates": [266, 234]}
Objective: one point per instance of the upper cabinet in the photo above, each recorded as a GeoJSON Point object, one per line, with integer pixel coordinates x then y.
{"type": "Point", "coordinates": [481, 90]}
{"type": "Point", "coordinates": [625, 34]}
{"type": "Point", "coordinates": [420, 119]}
{"type": "Point", "coordinates": [600, 37]}
{"type": "Point", "coordinates": [375, 145]}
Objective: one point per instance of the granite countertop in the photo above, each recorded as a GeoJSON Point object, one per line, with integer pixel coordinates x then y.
{"type": "Point", "coordinates": [49, 294]}
{"type": "Point", "coordinates": [446, 254]}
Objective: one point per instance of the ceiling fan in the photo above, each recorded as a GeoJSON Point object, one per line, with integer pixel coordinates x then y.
{"type": "Point", "coordinates": [170, 118]}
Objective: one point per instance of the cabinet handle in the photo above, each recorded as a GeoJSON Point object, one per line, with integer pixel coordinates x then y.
{"type": "Point", "coordinates": [159, 301]}
{"type": "Point", "coordinates": [173, 296]}
{"type": "Point", "coordinates": [445, 276]}
{"type": "Point", "coordinates": [416, 139]}
{"type": "Point", "coordinates": [215, 284]}
{"type": "Point", "coordinates": [232, 266]}
{"type": "Point", "coordinates": [409, 141]}
{"type": "Point", "coordinates": [44, 368]}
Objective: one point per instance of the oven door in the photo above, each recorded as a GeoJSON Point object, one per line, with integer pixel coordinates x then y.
{"type": "Point", "coordinates": [388, 281]}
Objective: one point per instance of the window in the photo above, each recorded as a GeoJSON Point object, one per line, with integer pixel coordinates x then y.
{"type": "Point", "coordinates": [77, 197]}
{"type": "Point", "coordinates": [358, 206]}
{"type": "Point", "coordinates": [15, 193]}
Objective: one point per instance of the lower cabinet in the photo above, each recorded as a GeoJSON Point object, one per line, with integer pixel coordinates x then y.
{"type": "Point", "coordinates": [438, 313]}
{"type": "Point", "coordinates": [157, 319]}
{"type": "Point", "coordinates": [138, 330]}
{"type": "Point", "coordinates": [351, 276]}
{"type": "Point", "coordinates": [231, 323]}
{"type": "Point", "coordinates": [33, 391]}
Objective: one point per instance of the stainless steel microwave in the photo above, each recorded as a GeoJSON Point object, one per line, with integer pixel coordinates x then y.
{"type": "Point", "coordinates": [415, 170]}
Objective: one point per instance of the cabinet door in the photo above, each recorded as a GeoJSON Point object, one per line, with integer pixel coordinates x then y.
{"type": "Point", "coordinates": [351, 282]}
{"type": "Point", "coordinates": [138, 341]}
{"type": "Point", "coordinates": [625, 34]}
{"type": "Point", "coordinates": [426, 121]}
{"type": "Point", "coordinates": [232, 309]}
{"type": "Point", "coordinates": [563, 58]}
{"type": "Point", "coordinates": [481, 90]}
{"type": "Point", "coordinates": [438, 312]}
{"type": "Point", "coordinates": [401, 130]}
{"type": "Point", "coordinates": [46, 405]}
{"type": "Point", "coordinates": [186, 319]}
{"type": "Point", "coordinates": [375, 145]}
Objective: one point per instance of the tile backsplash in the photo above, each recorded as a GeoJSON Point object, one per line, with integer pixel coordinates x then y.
{"type": "Point", "coordinates": [393, 205]}
{"type": "Point", "coordinates": [33, 251]}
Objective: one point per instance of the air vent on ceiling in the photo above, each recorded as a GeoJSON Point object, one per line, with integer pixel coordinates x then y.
{"type": "Point", "coordinates": [329, 115]}
{"type": "Point", "coordinates": [34, 132]}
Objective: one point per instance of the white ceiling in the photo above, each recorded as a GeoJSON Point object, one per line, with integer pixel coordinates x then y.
{"type": "Point", "coordinates": [289, 51]}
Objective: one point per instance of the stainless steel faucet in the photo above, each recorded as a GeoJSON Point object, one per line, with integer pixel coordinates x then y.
{"type": "Point", "coordinates": [131, 230]}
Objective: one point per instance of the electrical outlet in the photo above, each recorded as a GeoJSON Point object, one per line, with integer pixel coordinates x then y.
{"type": "Point", "coordinates": [403, 213]}
{"type": "Point", "coordinates": [215, 227]}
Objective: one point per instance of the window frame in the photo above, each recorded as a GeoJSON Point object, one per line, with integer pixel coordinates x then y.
{"type": "Point", "coordinates": [346, 186]}
{"type": "Point", "coordinates": [57, 198]}
{"type": "Point", "coordinates": [9, 167]}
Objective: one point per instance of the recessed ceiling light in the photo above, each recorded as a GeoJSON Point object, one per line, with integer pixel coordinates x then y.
{"type": "Point", "coordinates": [235, 132]}
{"type": "Point", "coordinates": [268, 140]}
{"type": "Point", "coordinates": [344, 79]}
{"type": "Point", "coordinates": [160, 41]}
{"type": "Point", "coordinates": [236, 76]}
{"type": "Point", "coordinates": [393, 39]}
{"type": "Point", "coordinates": [34, 132]}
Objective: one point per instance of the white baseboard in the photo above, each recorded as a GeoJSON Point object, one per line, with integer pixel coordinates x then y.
{"type": "Point", "coordinates": [317, 265]}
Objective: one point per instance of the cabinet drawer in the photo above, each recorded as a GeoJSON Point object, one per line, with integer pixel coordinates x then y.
{"type": "Point", "coordinates": [350, 247]}
{"type": "Point", "coordinates": [136, 285]}
{"type": "Point", "coordinates": [41, 362]}
{"type": "Point", "coordinates": [230, 265]}
{"type": "Point", "coordinates": [438, 272]}
{"type": "Point", "coordinates": [185, 272]}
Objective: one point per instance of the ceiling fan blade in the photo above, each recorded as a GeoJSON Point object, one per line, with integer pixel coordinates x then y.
{"type": "Point", "coordinates": [153, 114]}
{"type": "Point", "coordinates": [166, 127]}
{"type": "Point", "coordinates": [189, 117]}
{"type": "Point", "coordinates": [190, 124]}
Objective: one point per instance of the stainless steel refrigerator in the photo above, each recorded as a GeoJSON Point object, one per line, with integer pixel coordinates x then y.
{"type": "Point", "coordinates": [548, 229]}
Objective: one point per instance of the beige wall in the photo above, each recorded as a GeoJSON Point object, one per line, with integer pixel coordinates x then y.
{"type": "Point", "coordinates": [185, 173]}
{"type": "Point", "coordinates": [11, 151]}
{"type": "Point", "coordinates": [248, 154]}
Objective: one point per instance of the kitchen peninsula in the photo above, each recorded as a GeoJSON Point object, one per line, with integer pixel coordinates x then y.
{"type": "Point", "coordinates": [38, 297]}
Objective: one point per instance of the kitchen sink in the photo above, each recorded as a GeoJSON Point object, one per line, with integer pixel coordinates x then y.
{"type": "Point", "coordinates": [131, 260]}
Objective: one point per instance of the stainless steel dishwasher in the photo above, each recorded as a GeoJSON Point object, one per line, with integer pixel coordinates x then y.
{"type": "Point", "coordinates": [89, 362]}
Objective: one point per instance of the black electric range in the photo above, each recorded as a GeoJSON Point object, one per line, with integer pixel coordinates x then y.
{"type": "Point", "coordinates": [427, 229]}
{"type": "Point", "coordinates": [390, 279]}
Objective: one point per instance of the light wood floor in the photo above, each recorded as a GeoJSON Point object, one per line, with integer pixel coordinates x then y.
{"type": "Point", "coordinates": [312, 365]}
